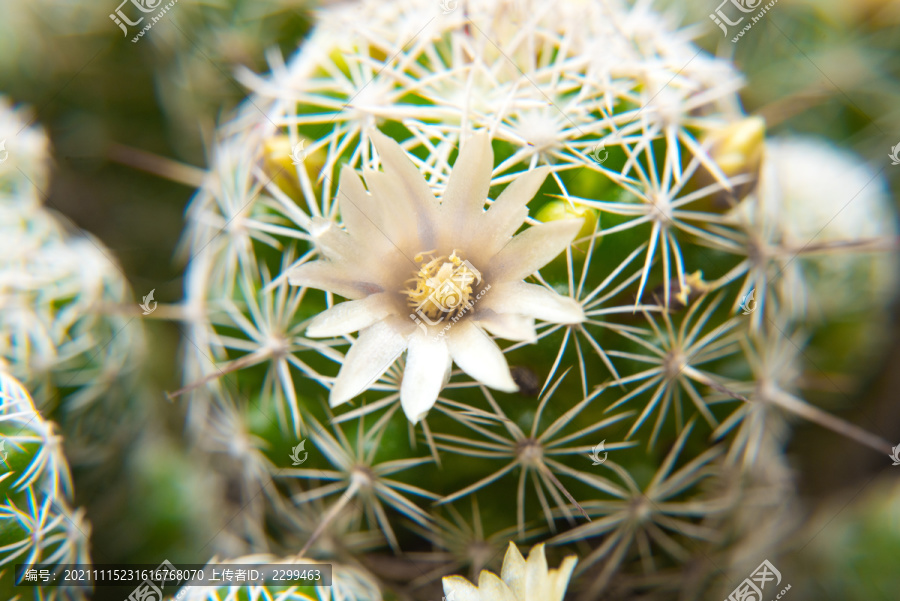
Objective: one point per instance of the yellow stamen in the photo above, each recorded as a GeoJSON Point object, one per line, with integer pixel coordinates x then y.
{"type": "Point", "coordinates": [442, 287]}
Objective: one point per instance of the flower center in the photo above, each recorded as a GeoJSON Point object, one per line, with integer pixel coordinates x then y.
{"type": "Point", "coordinates": [441, 287]}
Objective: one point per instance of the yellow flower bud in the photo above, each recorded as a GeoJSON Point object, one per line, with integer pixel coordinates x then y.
{"type": "Point", "coordinates": [280, 158]}
{"type": "Point", "coordinates": [737, 148]}
{"type": "Point", "coordinates": [556, 210]}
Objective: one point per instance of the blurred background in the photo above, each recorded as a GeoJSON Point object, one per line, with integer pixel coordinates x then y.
{"type": "Point", "coordinates": [130, 125]}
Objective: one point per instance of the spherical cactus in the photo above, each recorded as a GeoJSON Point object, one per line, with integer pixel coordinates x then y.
{"type": "Point", "coordinates": [66, 331]}
{"type": "Point", "coordinates": [37, 523]}
{"type": "Point", "coordinates": [468, 276]}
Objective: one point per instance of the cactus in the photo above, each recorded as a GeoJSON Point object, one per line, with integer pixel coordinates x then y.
{"type": "Point", "coordinates": [464, 278]}
{"type": "Point", "coordinates": [189, 59]}
{"type": "Point", "coordinates": [66, 333]}
{"type": "Point", "coordinates": [37, 523]}
{"type": "Point", "coordinates": [65, 336]}
{"type": "Point", "coordinates": [671, 326]}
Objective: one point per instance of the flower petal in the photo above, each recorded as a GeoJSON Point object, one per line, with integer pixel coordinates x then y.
{"type": "Point", "coordinates": [457, 588]}
{"type": "Point", "coordinates": [469, 183]}
{"type": "Point", "coordinates": [510, 209]}
{"type": "Point", "coordinates": [490, 587]}
{"type": "Point", "coordinates": [334, 243]}
{"type": "Point", "coordinates": [350, 316]}
{"type": "Point", "coordinates": [407, 224]}
{"type": "Point", "coordinates": [427, 366]}
{"type": "Point", "coordinates": [559, 578]}
{"type": "Point", "coordinates": [531, 300]}
{"type": "Point", "coordinates": [532, 249]}
{"type": "Point", "coordinates": [376, 349]}
{"type": "Point", "coordinates": [513, 571]}
{"type": "Point", "coordinates": [479, 356]}
{"type": "Point", "coordinates": [361, 214]}
{"type": "Point", "coordinates": [404, 189]}
{"type": "Point", "coordinates": [326, 275]}
{"type": "Point", "coordinates": [507, 325]}
{"type": "Point", "coordinates": [537, 584]}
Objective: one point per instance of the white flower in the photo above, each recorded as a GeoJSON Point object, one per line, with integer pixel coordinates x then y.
{"type": "Point", "coordinates": [520, 580]}
{"type": "Point", "coordinates": [429, 277]}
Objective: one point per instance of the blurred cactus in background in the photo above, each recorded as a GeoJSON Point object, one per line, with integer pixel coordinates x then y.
{"type": "Point", "coordinates": [37, 523]}
{"type": "Point", "coordinates": [708, 269]}
{"type": "Point", "coordinates": [189, 60]}
{"type": "Point", "coordinates": [65, 331]}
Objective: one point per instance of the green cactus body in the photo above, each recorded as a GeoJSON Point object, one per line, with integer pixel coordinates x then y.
{"type": "Point", "coordinates": [37, 523]}
{"type": "Point", "coordinates": [407, 129]}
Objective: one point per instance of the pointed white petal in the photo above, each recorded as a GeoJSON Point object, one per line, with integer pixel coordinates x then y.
{"type": "Point", "coordinates": [531, 300]}
{"type": "Point", "coordinates": [326, 275]}
{"type": "Point", "coordinates": [406, 224]}
{"type": "Point", "coordinates": [532, 249]}
{"type": "Point", "coordinates": [457, 588]}
{"type": "Point", "coordinates": [513, 571]}
{"type": "Point", "coordinates": [427, 363]}
{"type": "Point", "coordinates": [350, 316]}
{"type": "Point", "coordinates": [404, 188]}
{"type": "Point", "coordinates": [479, 356]}
{"type": "Point", "coordinates": [334, 243]}
{"type": "Point", "coordinates": [376, 349]}
{"type": "Point", "coordinates": [398, 165]}
{"type": "Point", "coordinates": [492, 588]}
{"type": "Point", "coordinates": [536, 581]}
{"type": "Point", "coordinates": [371, 258]}
{"type": "Point", "coordinates": [400, 220]}
{"type": "Point", "coordinates": [469, 182]}
{"type": "Point", "coordinates": [361, 214]}
{"type": "Point", "coordinates": [510, 209]}
{"type": "Point", "coordinates": [560, 578]}
{"type": "Point", "coordinates": [507, 325]}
